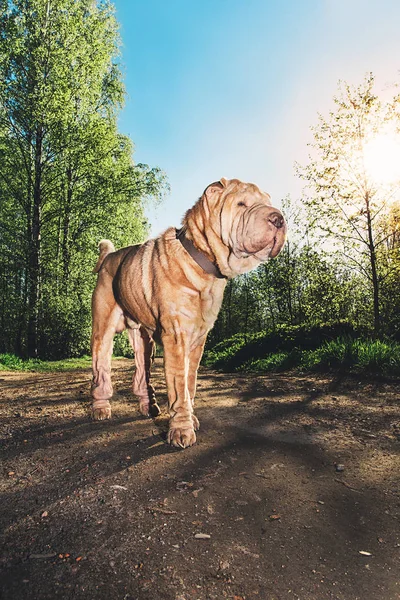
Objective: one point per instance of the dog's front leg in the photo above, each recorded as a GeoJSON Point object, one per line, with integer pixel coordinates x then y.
{"type": "Point", "coordinates": [194, 360]}
{"type": "Point", "coordinates": [176, 363]}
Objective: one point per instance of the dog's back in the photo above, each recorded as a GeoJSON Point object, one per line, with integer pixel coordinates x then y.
{"type": "Point", "coordinates": [110, 259]}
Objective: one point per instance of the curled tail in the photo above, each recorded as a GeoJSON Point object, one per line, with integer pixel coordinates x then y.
{"type": "Point", "coordinates": [105, 247]}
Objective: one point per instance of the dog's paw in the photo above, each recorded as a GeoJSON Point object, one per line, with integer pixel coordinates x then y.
{"type": "Point", "coordinates": [196, 423]}
{"type": "Point", "coordinates": [100, 414]}
{"type": "Point", "coordinates": [144, 408]}
{"type": "Point", "coordinates": [149, 410]}
{"type": "Point", "coordinates": [181, 437]}
{"type": "Point", "coordinates": [154, 410]}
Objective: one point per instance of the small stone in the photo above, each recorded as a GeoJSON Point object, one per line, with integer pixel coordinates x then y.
{"type": "Point", "coordinates": [339, 468]}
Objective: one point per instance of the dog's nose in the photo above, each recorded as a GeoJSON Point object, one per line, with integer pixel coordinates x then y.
{"type": "Point", "coordinates": [276, 219]}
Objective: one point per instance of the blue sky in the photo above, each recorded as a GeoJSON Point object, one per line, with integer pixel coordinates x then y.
{"type": "Point", "coordinates": [230, 88]}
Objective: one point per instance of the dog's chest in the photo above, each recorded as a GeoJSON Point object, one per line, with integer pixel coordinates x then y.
{"type": "Point", "coordinates": [210, 302]}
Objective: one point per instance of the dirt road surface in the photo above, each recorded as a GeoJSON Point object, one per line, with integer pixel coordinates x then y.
{"type": "Point", "coordinates": [292, 491]}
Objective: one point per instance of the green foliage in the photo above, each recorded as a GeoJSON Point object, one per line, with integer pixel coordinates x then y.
{"type": "Point", "coordinates": [345, 203]}
{"type": "Point", "coordinates": [345, 354]}
{"type": "Point", "coordinates": [67, 176]}
{"type": "Point", "coordinates": [11, 362]}
{"type": "Point", "coordinates": [276, 362]}
{"type": "Point", "coordinates": [122, 345]}
{"type": "Point", "coordinates": [234, 353]}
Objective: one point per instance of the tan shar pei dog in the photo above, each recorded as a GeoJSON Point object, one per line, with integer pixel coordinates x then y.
{"type": "Point", "coordinates": [170, 290]}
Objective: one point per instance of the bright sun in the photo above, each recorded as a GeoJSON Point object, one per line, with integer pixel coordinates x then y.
{"type": "Point", "coordinates": [382, 157]}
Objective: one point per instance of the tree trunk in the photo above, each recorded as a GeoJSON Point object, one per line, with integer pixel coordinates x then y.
{"type": "Point", "coordinates": [66, 224]}
{"type": "Point", "coordinates": [374, 274]}
{"type": "Point", "coordinates": [289, 282]}
{"type": "Point", "coordinates": [229, 311]}
{"type": "Point", "coordinates": [34, 250]}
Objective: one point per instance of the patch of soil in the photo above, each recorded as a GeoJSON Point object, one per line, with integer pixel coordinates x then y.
{"type": "Point", "coordinates": [292, 491]}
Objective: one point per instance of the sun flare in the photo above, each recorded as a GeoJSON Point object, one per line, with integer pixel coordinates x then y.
{"type": "Point", "coordinates": [382, 157]}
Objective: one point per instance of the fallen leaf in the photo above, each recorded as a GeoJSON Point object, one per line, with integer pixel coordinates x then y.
{"type": "Point", "coordinates": [163, 511]}
{"type": "Point", "coordinates": [78, 558]}
{"type": "Point", "coordinates": [183, 485]}
{"type": "Point", "coordinates": [44, 514]}
{"type": "Point", "coordinates": [274, 517]}
{"type": "Point", "coordinates": [247, 551]}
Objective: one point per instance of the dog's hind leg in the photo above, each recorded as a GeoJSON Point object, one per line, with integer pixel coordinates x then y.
{"type": "Point", "coordinates": [107, 320]}
{"type": "Point", "coordinates": [144, 348]}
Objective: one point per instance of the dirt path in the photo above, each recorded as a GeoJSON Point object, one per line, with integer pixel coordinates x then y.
{"type": "Point", "coordinates": [106, 510]}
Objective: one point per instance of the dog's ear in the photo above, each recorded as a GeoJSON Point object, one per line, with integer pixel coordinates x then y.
{"type": "Point", "coordinates": [213, 188]}
{"type": "Point", "coordinates": [217, 186]}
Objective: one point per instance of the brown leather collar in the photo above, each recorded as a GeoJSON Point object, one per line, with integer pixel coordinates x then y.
{"type": "Point", "coordinates": [205, 263]}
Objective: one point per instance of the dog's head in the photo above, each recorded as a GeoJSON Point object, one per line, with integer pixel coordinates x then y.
{"type": "Point", "coordinates": [238, 224]}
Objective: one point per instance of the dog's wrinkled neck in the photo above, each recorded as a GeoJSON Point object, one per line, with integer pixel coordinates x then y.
{"type": "Point", "coordinates": [199, 257]}
{"type": "Point", "coordinates": [198, 229]}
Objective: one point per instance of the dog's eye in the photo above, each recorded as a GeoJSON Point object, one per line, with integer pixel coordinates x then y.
{"type": "Point", "coordinates": [241, 204]}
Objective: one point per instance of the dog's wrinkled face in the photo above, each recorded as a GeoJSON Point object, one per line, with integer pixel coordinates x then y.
{"type": "Point", "coordinates": [246, 222]}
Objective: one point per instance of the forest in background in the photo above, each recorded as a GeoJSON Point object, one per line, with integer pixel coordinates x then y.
{"type": "Point", "coordinates": [68, 179]}
{"type": "Point", "coordinates": [67, 176]}
{"type": "Point", "coordinates": [341, 263]}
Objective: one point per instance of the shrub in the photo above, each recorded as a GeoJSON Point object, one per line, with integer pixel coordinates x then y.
{"type": "Point", "coordinates": [232, 354]}
{"type": "Point", "coordinates": [307, 349]}
{"type": "Point", "coordinates": [279, 361]}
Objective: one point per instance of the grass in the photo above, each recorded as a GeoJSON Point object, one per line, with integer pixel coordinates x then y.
{"type": "Point", "coordinates": [10, 362]}
{"type": "Point", "coordinates": [343, 354]}
{"type": "Point", "coordinates": [360, 355]}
